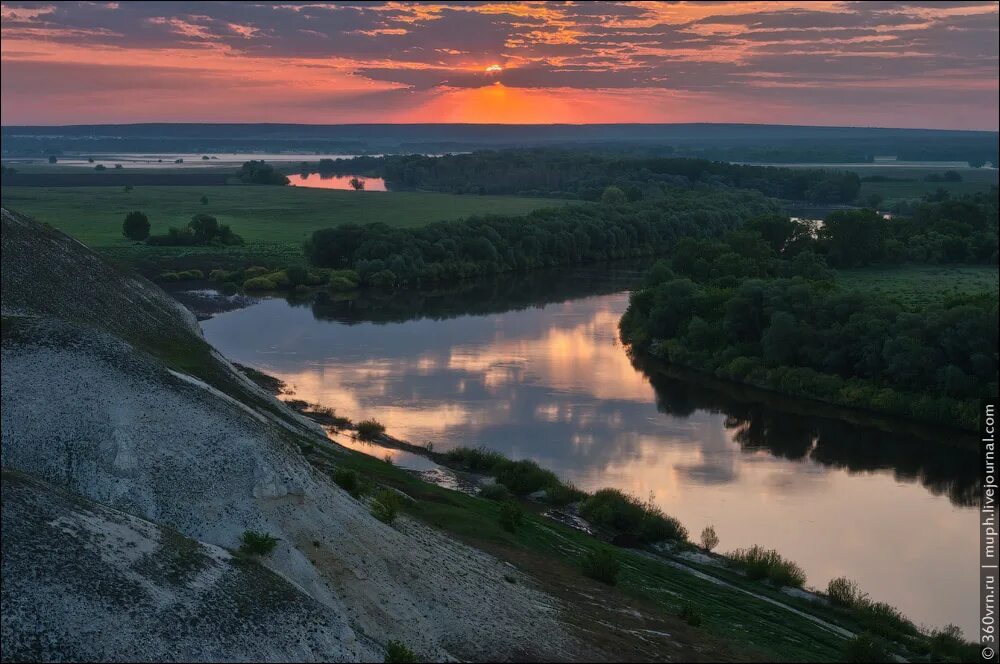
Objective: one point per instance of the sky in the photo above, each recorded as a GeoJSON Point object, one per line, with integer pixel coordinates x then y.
{"type": "Point", "coordinates": [888, 64]}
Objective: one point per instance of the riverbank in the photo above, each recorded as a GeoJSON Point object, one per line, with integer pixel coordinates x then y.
{"type": "Point", "coordinates": [645, 574]}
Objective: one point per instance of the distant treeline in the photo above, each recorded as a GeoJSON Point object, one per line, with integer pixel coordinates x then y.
{"type": "Point", "coordinates": [737, 142]}
{"type": "Point", "coordinates": [388, 256]}
{"type": "Point", "coordinates": [112, 178]}
{"type": "Point", "coordinates": [761, 307]}
{"type": "Point", "coordinates": [562, 173]}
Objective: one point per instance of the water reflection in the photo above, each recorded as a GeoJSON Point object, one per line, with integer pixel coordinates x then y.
{"type": "Point", "coordinates": [531, 367]}
{"type": "Point", "coordinates": [330, 181]}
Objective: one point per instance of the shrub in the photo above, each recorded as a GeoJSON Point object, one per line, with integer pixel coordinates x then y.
{"type": "Point", "coordinates": [602, 565]}
{"type": "Point", "coordinates": [385, 506]}
{"type": "Point", "coordinates": [511, 516]}
{"type": "Point", "coordinates": [690, 614]}
{"type": "Point", "coordinates": [397, 653]}
{"type": "Point", "coordinates": [370, 429]}
{"type": "Point", "coordinates": [760, 563]}
{"type": "Point", "coordinates": [278, 278]}
{"type": "Point", "coordinates": [563, 494]}
{"type": "Point", "coordinates": [479, 460]}
{"type": "Point", "coordinates": [867, 648]}
{"type": "Point", "coordinates": [495, 491]}
{"type": "Point", "coordinates": [629, 516]}
{"type": "Point", "coordinates": [203, 229]}
{"type": "Point", "coordinates": [340, 284]}
{"type": "Point", "coordinates": [297, 275]}
{"type": "Point", "coordinates": [136, 226]}
{"type": "Point", "coordinates": [348, 480]}
{"type": "Point", "coordinates": [255, 271]}
{"type": "Point", "coordinates": [169, 276]}
{"type": "Point", "coordinates": [257, 544]}
{"type": "Point", "coordinates": [947, 644]}
{"type": "Point", "coordinates": [229, 288]}
{"type": "Point", "coordinates": [382, 279]}
{"type": "Point", "coordinates": [258, 284]}
{"type": "Point", "coordinates": [845, 592]}
{"type": "Point", "coordinates": [709, 540]}
{"type": "Point", "coordinates": [524, 477]}
{"type": "Point", "coordinates": [884, 619]}
{"type": "Point", "coordinates": [192, 274]}
{"type": "Point", "coordinates": [259, 172]}
{"type": "Point", "coordinates": [219, 275]}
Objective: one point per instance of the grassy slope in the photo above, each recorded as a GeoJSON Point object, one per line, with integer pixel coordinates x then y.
{"type": "Point", "coordinates": [920, 285]}
{"type": "Point", "coordinates": [273, 221]}
{"type": "Point", "coordinates": [755, 629]}
{"type": "Point", "coordinates": [973, 180]}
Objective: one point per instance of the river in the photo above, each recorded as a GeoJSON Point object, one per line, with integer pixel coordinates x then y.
{"type": "Point", "coordinates": [531, 366]}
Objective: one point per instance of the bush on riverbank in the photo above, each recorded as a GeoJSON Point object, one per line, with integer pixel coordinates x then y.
{"type": "Point", "coordinates": [760, 563]}
{"type": "Point", "coordinates": [370, 429]}
{"type": "Point", "coordinates": [520, 477]}
{"type": "Point", "coordinates": [186, 275]}
{"type": "Point", "coordinates": [511, 516]}
{"type": "Point", "coordinates": [385, 505]}
{"type": "Point", "coordinates": [602, 565]}
{"type": "Point", "coordinates": [641, 522]}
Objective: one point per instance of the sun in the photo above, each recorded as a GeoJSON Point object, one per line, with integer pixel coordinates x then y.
{"type": "Point", "coordinates": [494, 69]}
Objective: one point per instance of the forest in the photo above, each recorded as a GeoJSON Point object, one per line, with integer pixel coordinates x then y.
{"type": "Point", "coordinates": [762, 306]}
{"type": "Point", "coordinates": [613, 229]}
{"type": "Point", "coordinates": [585, 174]}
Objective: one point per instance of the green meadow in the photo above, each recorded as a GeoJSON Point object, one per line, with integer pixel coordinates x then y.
{"type": "Point", "coordinates": [916, 286]}
{"type": "Point", "coordinates": [273, 221]}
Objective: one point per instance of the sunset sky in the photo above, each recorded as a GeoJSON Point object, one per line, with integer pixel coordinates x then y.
{"type": "Point", "coordinates": [893, 64]}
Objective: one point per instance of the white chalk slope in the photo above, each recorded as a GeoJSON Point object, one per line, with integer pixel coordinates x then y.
{"type": "Point", "coordinates": [99, 400]}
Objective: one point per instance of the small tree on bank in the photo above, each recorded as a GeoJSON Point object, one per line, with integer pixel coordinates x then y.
{"type": "Point", "coordinates": [709, 540]}
{"type": "Point", "coordinates": [136, 226]}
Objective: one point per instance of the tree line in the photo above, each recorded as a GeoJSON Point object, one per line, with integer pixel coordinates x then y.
{"type": "Point", "coordinates": [754, 307]}
{"type": "Point", "coordinates": [549, 237]}
{"type": "Point", "coordinates": [562, 173]}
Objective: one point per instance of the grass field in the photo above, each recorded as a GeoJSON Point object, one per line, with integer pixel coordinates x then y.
{"type": "Point", "coordinates": [973, 180]}
{"type": "Point", "coordinates": [919, 285]}
{"type": "Point", "coordinates": [274, 221]}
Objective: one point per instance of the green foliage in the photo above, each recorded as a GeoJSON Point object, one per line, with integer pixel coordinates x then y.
{"type": "Point", "coordinates": [867, 648]}
{"type": "Point", "coordinates": [495, 491]}
{"type": "Point", "coordinates": [385, 256]}
{"type": "Point", "coordinates": [370, 429]}
{"type": "Point", "coordinates": [602, 565]}
{"type": "Point", "coordinates": [690, 614]}
{"type": "Point", "coordinates": [385, 505]}
{"type": "Point", "coordinates": [186, 275]}
{"type": "Point", "coordinates": [259, 284]}
{"type": "Point", "coordinates": [202, 230]}
{"type": "Point", "coordinates": [760, 563]}
{"type": "Point", "coordinates": [511, 516]}
{"type": "Point", "coordinates": [563, 494]}
{"type": "Point", "coordinates": [572, 173]}
{"type": "Point", "coordinates": [397, 653]}
{"type": "Point", "coordinates": [845, 592]}
{"type": "Point", "coordinates": [136, 226]}
{"type": "Point", "coordinates": [709, 540]}
{"type": "Point", "coordinates": [735, 309]}
{"type": "Point", "coordinates": [349, 480]}
{"type": "Point", "coordinates": [947, 645]}
{"type": "Point", "coordinates": [257, 544]}
{"type": "Point", "coordinates": [260, 172]}
{"type": "Point", "coordinates": [612, 196]}
{"type": "Point", "coordinates": [643, 522]}
{"type": "Point", "coordinates": [343, 280]}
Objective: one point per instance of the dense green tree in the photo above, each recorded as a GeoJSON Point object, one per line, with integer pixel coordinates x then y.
{"type": "Point", "coordinates": [136, 226]}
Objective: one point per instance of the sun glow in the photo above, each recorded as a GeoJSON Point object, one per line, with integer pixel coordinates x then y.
{"type": "Point", "coordinates": [494, 69]}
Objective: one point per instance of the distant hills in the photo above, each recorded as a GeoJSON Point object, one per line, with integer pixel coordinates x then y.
{"type": "Point", "coordinates": [739, 142]}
